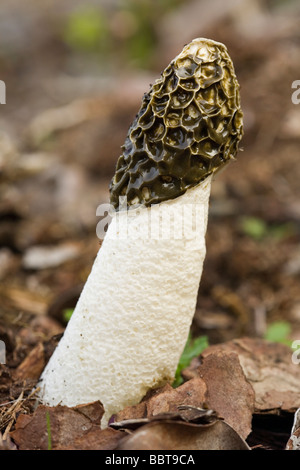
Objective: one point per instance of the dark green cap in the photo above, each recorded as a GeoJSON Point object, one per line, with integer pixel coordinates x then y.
{"type": "Point", "coordinates": [189, 125]}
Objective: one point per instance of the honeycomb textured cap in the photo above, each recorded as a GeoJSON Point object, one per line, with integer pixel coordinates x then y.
{"type": "Point", "coordinates": [188, 126]}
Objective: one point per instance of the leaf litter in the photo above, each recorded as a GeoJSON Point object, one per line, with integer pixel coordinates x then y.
{"type": "Point", "coordinates": [50, 184]}
{"type": "Point", "coordinates": [224, 390]}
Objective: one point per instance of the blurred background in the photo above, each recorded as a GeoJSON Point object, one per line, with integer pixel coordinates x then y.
{"type": "Point", "coordinates": [75, 73]}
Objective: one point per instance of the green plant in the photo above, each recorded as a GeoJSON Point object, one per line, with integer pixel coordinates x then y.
{"type": "Point", "coordinates": [253, 227]}
{"type": "Point", "coordinates": [279, 332]}
{"type": "Point", "coordinates": [192, 349]}
{"type": "Point", "coordinates": [258, 229]}
{"type": "Point", "coordinates": [86, 30]}
{"type": "Point", "coordinates": [67, 313]}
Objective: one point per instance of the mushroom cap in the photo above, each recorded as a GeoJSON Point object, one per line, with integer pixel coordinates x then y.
{"type": "Point", "coordinates": [189, 125]}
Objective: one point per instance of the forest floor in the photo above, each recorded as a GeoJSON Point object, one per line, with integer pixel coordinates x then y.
{"type": "Point", "coordinates": [61, 132]}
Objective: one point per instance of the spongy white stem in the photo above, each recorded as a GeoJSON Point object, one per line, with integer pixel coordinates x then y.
{"type": "Point", "coordinates": [133, 317]}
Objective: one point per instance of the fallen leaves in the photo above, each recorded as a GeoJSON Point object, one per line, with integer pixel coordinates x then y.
{"type": "Point", "coordinates": [236, 379]}
{"type": "Point", "coordinates": [177, 432]}
{"type": "Point", "coordinates": [70, 429]}
{"type": "Point", "coordinates": [220, 385]}
{"type": "Point", "coordinates": [33, 364]}
{"type": "Point", "coordinates": [268, 367]}
{"type": "Point", "coordinates": [165, 400]}
{"type": "Point", "coordinates": [231, 397]}
{"type": "Point", "coordinates": [228, 391]}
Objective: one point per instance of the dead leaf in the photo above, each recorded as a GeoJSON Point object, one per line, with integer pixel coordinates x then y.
{"type": "Point", "coordinates": [24, 300]}
{"type": "Point", "coordinates": [189, 428]}
{"type": "Point", "coordinates": [67, 426]}
{"type": "Point", "coordinates": [166, 399]}
{"type": "Point", "coordinates": [228, 391]}
{"type": "Point", "coordinates": [96, 439]}
{"type": "Point", "coordinates": [220, 386]}
{"type": "Point", "coordinates": [185, 413]}
{"type": "Point", "coordinates": [33, 364]}
{"type": "Point", "coordinates": [176, 435]}
{"type": "Point", "coordinates": [190, 393]}
{"type": "Point", "coordinates": [138, 411]}
{"type": "Point", "coordinates": [269, 369]}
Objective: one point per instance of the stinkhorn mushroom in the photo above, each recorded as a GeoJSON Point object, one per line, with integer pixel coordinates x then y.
{"type": "Point", "coordinates": [133, 317]}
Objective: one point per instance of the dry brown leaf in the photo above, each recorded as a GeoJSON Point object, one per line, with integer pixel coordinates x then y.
{"type": "Point", "coordinates": [138, 411]}
{"type": "Point", "coordinates": [33, 364]}
{"type": "Point", "coordinates": [68, 427]}
{"type": "Point", "coordinates": [185, 413]}
{"type": "Point", "coordinates": [269, 369]}
{"type": "Point", "coordinates": [95, 439]}
{"type": "Point", "coordinates": [166, 399]}
{"type": "Point", "coordinates": [176, 435]}
{"type": "Point", "coordinates": [24, 300]}
{"type": "Point", "coordinates": [220, 385]}
{"type": "Point", "coordinates": [228, 391]}
{"type": "Point", "coordinates": [190, 393]}
{"type": "Point", "coordinates": [190, 427]}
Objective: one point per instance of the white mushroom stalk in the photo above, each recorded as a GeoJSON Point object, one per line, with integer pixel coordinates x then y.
{"type": "Point", "coordinates": [133, 317]}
